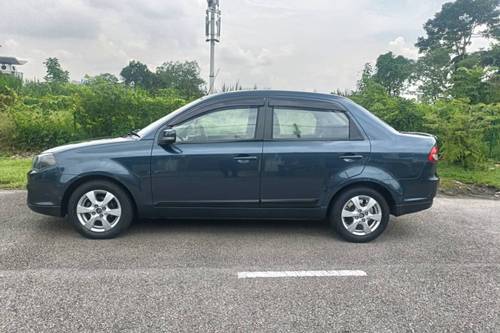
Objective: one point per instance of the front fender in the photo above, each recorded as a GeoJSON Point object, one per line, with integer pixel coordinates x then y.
{"type": "Point", "coordinates": [132, 171]}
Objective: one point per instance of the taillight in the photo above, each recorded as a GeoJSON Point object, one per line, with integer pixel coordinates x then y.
{"type": "Point", "coordinates": [433, 155]}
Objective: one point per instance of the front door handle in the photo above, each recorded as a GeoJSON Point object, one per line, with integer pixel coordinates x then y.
{"type": "Point", "coordinates": [351, 157]}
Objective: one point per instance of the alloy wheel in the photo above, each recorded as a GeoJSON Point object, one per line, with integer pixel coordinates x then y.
{"type": "Point", "coordinates": [361, 215]}
{"type": "Point", "coordinates": [98, 210]}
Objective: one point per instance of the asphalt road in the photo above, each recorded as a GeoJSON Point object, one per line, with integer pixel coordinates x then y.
{"type": "Point", "coordinates": [437, 270]}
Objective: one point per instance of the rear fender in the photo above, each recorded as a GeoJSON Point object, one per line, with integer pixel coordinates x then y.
{"type": "Point", "coordinates": [372, 175]}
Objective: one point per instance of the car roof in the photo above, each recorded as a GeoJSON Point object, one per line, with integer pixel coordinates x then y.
{"type": "Point", "coordinates": [273, 93]}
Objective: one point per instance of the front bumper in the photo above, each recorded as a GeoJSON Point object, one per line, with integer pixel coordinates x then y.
{"type": "Point", "coordinates": [46, 209]}
{"type": "Point", "coordinates": [45, 192]}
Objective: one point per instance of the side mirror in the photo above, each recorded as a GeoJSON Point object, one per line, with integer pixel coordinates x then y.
{"type": "Point", "coordinates": [167, 137]}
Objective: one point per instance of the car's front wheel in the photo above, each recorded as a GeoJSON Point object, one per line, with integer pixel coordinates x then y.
{"type": "Point", "coordinates": [100, 209]}
{"type": "Point", "coordinates": [360, 214]}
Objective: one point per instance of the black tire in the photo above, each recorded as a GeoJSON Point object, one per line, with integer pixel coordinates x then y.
{"type": "Point", "coordinates": [123, 200]}
{"type": "Point", "coordinates": [336, 214]}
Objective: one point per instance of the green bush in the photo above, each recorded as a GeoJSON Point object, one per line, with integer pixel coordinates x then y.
{"type": "Point", "coordinates": [106, 109]}
{"type": "Point", "coordinates": [7, 98]}
{"type": "Point", "coordinates": [9, 81]}
{"type": "Point", "coordinates": [36, 116]}
{"type": "Point", "coordinates": [50, 114]}
{"type": "Point", "coordinates": [468, 134]}
{"type": "Point", "coordinates": [34, 128]}
{"type": "Point", "coordinates": [402, 114]}
{"type": "Point", "coordinates": [461, 129]}
{"type": "Point", "coordinates": [7, 130]}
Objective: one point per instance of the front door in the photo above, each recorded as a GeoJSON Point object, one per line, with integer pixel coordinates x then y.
{"type": "Point", "coordinates": [215, 162]}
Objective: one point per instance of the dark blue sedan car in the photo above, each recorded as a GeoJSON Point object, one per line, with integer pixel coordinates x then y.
{"type": "Point", "coordinates": [243, 155]}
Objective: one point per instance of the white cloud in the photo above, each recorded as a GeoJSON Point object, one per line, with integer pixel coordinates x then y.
{"type": "Point", "coordinates": [283, 44]}
{"type": "Point", "coordinates": [11, 44]}
{"type": "Point", "coordinates": [400, 46]}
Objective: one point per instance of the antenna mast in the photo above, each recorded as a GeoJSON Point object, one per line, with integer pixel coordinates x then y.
{"type": "Point", "coordinates": [212, 33]}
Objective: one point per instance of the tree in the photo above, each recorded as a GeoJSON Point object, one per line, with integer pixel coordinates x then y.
{"type": "Point", "coordinates": [393, 72]}
{"type": "Point", "coordinates": [106, 77]}
{"type": "Point", "coordinates": [399, 112]}
{"type": "Point", "coordinates": [477, 76]}
{"type": "Point", "coordinates": [182, 76]}
{"type": "Point", "coordinates": [366, 78]}
{"type": "Point", "coordinates": [137, 74]}
{"type": "Point", "coordinates": [491, 57]}
{"type": "Point", "coordinates": [433, 74]}
{"type": "Point", "coordinates": [55, 73]}
{"type": "Point", "coordinates": [454, 26]}
{"type": "Point", "coordinates": [470, 84]}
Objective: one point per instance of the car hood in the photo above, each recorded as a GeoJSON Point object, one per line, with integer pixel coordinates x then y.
{"type": "Point", "coordinates": [86, 144]}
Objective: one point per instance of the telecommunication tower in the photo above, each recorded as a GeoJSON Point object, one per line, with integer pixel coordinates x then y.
{"type": "Point", "coordinates": [212, 33]}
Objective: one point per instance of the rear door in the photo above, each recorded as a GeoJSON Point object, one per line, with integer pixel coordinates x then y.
{"type": "Point", "coordinates": [308, 148]}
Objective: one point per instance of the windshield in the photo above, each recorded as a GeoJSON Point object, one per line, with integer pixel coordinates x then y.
{"type": "Point", "coordinates": [154, 125]}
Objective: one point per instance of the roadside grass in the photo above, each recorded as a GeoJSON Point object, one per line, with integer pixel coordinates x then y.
{"type": "Point", "coordinates": [489, 176]}
{"type": "Point", "coordinates": [13, 174]}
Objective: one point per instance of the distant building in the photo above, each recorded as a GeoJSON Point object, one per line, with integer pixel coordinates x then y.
{"type": "Point", "coordinates": [8, 65]}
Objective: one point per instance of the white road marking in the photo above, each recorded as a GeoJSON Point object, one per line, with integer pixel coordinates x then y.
{"type": "Point", "coordinates": [271, 274]}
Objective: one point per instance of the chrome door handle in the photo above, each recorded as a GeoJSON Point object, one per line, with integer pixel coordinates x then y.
{"type": "Point", "coordinates": [351, 158]}
{"type": "Point", "coordinates": [245, 158]}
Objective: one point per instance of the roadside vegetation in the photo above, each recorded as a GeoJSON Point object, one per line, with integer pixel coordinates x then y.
{"type": "Point", "coordinates": [448, 91]}
{"type": "Point", "coordinates": [13, 172]}
{"type": "Point", "coordinates": [451, 174]}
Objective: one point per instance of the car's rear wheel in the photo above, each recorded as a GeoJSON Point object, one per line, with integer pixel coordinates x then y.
{"type": "Point", "coordinates": [100, 209]}
{"type": "Point", "coordinates": [360, 214]}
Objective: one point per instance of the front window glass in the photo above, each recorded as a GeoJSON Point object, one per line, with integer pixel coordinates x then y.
{"type": "Point", "coordinates": [299, 124]}
{"type": "Point", "coordinates": [224, 125]}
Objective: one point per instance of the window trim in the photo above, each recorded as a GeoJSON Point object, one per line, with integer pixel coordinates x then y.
{"type": "Point", "coordinates": [258, 133]}
{"type": "Point", "coordinates": [270, 122]}
{"type": "Point", "coordinates": [306, 103]}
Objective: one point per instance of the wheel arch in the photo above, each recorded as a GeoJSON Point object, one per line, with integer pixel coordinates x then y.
{"type": "Point", "coordinates": [382, 189]}
{"type": "Point", "coordinates": [82, 180]}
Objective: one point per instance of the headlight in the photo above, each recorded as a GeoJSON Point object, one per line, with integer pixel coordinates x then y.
{"type": "Point", "coordinates": [44, 161]}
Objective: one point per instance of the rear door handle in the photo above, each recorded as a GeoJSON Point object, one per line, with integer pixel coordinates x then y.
{"type": "Point", "coordinates": [351, 157]}
{"type": "Point", "coordinates": [244, 158]}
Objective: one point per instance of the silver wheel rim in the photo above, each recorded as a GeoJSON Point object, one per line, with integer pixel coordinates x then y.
{"type": "Point", "coordinates": [98, 210]}
{"type": "Point", "coordinates": [361, 215]}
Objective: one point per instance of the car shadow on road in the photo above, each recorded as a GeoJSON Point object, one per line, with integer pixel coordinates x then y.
{"type": "Point", "coordinates": [230, 226]}
{"type": "Point", "coordinates": [59, 227]}
{"type": "Point", "coordinates": [62, 227]}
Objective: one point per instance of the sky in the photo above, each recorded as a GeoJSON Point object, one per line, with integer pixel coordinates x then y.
{"type": "Point", "coordinates": [310, 45]}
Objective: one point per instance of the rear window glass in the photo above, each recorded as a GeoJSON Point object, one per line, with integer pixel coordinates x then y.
{"type": "Point", "coordinates": [303, 124]}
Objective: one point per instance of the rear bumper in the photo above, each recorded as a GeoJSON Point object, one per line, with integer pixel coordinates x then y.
{"type": "Point", "coordinates": [426, 189]}
{"type": "Point", "coordinates": [413, 207]}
